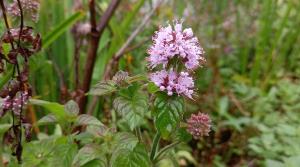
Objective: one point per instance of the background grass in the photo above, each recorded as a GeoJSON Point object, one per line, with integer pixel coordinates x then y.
{"type": "Point", "coordinates": [250, 84]}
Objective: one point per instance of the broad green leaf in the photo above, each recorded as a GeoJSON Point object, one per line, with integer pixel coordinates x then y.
{"type": "Point", "coordinates": [89, 153]}
{"type": "Point", "coordinates": [124, 140]}
{"type": "Point", "coordinates": [138, 157]}
{"type": "Point", "coordinates": [49, 152]}
{"type": "Point", "coordinates": [168, 111]}
{"type": "Point", "coordinates": [71, 107]}
{"type": "Point", "coordinates": [273, 163]}
{"type": "Point", "coordinates": [65, 151]}
{"type": "Point", "coordinates": [96, 130]}
{"type": "Point", "coordinates": [61, 28]}
{"type": "Point", "coordinates": [96, 163]}
{"type": "Point", "coordinates": [103, 88]}
{"type": "Point", "coordinates": [85, 119]}
{"type": "Point", "coordinates": [183, 135]}
{"type": "Point", "coordinates": [55, 108]}
{"type": "Point", "coordinates": [4, 127]}
{"type": "Point", "coordinates": [48, 119]}
{"type": "Point", "coordinates": [38, 153]}
{"type": "Point", "coordinates": [132, 106]}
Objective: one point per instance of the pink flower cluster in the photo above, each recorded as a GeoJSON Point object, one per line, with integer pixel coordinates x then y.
{"type": "Point", "coordinates": [169, 42]}
{"type": "Point", "coordinates": [199, 125]}
{"type": "Point", "coordinates": [171, 82]}
{"type": "Point", "coordinates": [175, 42]}
{"type": "Point", "coordinates": [29, 7]}
{"type": "Point", "coordinates": [15, 103]}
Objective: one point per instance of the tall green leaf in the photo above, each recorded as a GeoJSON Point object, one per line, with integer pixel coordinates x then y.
{"type": "Point", "coordinates": [55, 108]}
{"type": "Point", "coordinates": [61, 28]}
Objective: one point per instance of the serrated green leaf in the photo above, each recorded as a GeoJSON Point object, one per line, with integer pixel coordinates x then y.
{"type": "Point", "coordinates": [89, 153]}
{"type": "Point", "coordinates": [103, 88]}
{"type": "Point", "coordinates": [85, 119]}
{"type": "Point", "coordinates": [138, 157]}
{"type": "Point", "coordinates": [124, 140]}
{"type": "Point", "coordinates": [38, 153]}
{"type": "Point", "coordinates": [71, 107]}
{"type": "Point", "coordinates": [97, 131]}
{"type": "Point", "coordinates": [48, 119]}
{"type": "Point", "coordinates": [64, 153]}
{"type": "Point", "coordinates": [132, 106]}
{"type": "Point", "coordinates": [168, 111]}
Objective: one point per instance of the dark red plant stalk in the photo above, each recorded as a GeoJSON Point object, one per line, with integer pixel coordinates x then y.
{"type": "Point", "coordinates": [17, 91]}
{"type": "Point", "coordinates": [96, 33]}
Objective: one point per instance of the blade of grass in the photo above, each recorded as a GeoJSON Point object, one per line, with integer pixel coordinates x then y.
{"type": "Point", "coordinates": [61, 28]}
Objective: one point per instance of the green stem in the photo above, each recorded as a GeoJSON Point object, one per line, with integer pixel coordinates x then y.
{"type": "Point", "coordinates": [138, 133]}
{"type": "Point", "coordinates": [155, 145]}
{"type": "Point", "coordinates": [1, 155]}
{"type": "Point", "coordinates": [162, 151]}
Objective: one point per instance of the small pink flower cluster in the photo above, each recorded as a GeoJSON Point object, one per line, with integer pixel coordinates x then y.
{"type": "Point", "coordinates": [15, 103]}
{"type": "Point", "coordinates": [174, 42]}
{"type": "Point", "coordinates": [171, 82]}
{"type": "Point", "coordinates": [29, 7]}
{"type": "Point", "coordinates": [169, 42]}
{"type": "Point", "coordinates": [199, 125]}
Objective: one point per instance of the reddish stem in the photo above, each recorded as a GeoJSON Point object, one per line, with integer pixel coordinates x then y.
{"type": "Point", "coordinates": [94, 43]}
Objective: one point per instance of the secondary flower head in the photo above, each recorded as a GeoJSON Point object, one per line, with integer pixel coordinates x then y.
{"type": "Point", "coordinates": [172, 82]}
{"type": "Point", "coordinates": [172, 41]}
{"type": "Point", "coordinates": [199, 125]}
{"type": "Point", "coordinates": [29, 7]}
{"type": "Point", "coordinates": [15, 104]}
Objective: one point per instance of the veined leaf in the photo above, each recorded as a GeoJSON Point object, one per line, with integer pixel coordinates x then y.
{"type": "Point", "coordinates": [61, 28]}
{"type": "Point", "coordinates": [103, 88]}
{"type": "Point", "coordinates": [65, 151]}
{"type": "Point", "coordinates": [124, 140]}
{"type": "Point", "coordinates": [85, 119]}
{"type": "Point", "coordinates": [138, 157]}
{"type": "Point", "coordinates": [168, 113]}
{"type": "Point", "coordinates": [132, 106]}
{"type": "Point", "coordinates": [71, 107]}
{"type": "Point", "coordinates": [48, 119]}
{"type": "Point", "coordinates": [89, 153]}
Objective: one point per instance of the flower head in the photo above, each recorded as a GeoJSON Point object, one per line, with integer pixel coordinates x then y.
{"type": "Point", "coordinates": [29, 7]}
{"type": "Point", "coordinates": [15, 104]}
{"type": "Point", "coordinates": [172, 82]}
{"type": "Point", "coordinates": [199, 125]}
{"type": "Point", "coordinates": [169, 42]}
